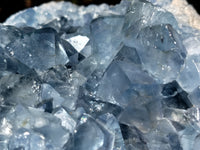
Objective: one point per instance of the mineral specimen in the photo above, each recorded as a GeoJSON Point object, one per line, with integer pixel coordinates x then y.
{"type": "Point", "coordinates": [123, 77]}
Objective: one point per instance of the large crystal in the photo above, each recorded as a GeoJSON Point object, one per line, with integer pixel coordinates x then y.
{"type": "Point", "coordinates": [123, 77]}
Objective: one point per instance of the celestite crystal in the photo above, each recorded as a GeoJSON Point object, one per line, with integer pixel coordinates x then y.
{"type": "Point", "coordinates": [123, 77]}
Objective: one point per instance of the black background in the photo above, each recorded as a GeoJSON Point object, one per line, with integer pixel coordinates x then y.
{"type": "Point", "coordinates": [8, 7]}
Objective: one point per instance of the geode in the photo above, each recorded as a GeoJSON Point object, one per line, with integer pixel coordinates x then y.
{"type": "Point", "coordinates": [123, 77]}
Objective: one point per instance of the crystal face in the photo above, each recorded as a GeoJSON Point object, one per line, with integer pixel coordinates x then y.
{"type": "Point", "coordinates": [123, 77]}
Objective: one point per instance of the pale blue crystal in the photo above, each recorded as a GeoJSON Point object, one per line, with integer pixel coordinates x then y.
{"type": "Point", "coordinates": [101, 139]}
{"type": "Point", "coordinates": [123, 77]}
{"type": "Point", "coordinates": [112, 124]}
{"type": "Point", "coordinates": [66, 120]}
{"type": "Point", "coordinates": [163, 41]}
{"type": "Point", "coordinates": [47, 92]}
{"type": "Point", "coordinates": [37, 50]}
{"type": "Point", "coordinates": [26, 140]}
{"type": "Point", "coordinates": [194, 96]}
{"type": "Point", "coordinates": [133, 138]}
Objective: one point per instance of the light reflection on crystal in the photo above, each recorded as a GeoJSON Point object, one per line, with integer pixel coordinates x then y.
{"type": "Point", "coordinates": [78, 42]}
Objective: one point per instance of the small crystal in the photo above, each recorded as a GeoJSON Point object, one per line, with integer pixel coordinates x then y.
{"type": "Point", "coordinates": [78, 42]}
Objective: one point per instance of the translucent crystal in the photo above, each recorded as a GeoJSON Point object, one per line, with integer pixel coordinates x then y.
{"type": "Point", "coordinates": [189, 77]}
{"type": "Point", "coordinates": [142, 14]}
{"type": "Point", "coordinates": [164, 136]}
{"type": "Point", "coordinates": [47, 92]}
{"type": "Point", "coordinates": [116, 82]}
{"type": "Point", "coordinates": [112, 27]}
{"type": "Point", "coordinates": [34, 53]}
{"type": "Point", "coordinates": [112, 124]}
{"type": "Point", "coordinates": [121, 77]}
{"type": "Point", "coordinates": [25, 90]}
{"type": "Point", "coordinates": [101, 139]}
{"type": "Point", "coordinates": [26, 140]}
{"type": "Point", "coordinates": [163, 41]}
{"type": "Point", "coordinates": [78, 42]}
{"type": "Point", "coordinates": [194, 97]}
{"type": "Point", "coordinates": [141, 115]}
{"type": "Point", "coordinates": [66, 120]}
{"type": "Point", "coordinates": [133, 138]}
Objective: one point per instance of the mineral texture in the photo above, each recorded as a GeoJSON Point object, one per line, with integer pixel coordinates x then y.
{"type": "Point", "coordinates": [124, 77]}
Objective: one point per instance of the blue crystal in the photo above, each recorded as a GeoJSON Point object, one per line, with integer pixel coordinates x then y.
{"type": "Point", "coordinates": [101, 139]}
{"type": "Point", "coordinates": [25, 139]}
{"type": "Point", "coordinates": [112, 124]}
{"type": "Point", "coordinates": [123, 77]}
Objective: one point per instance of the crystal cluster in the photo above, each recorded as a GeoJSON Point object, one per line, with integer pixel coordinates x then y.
{"type": "Point", "coordinates": [123, 77]}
